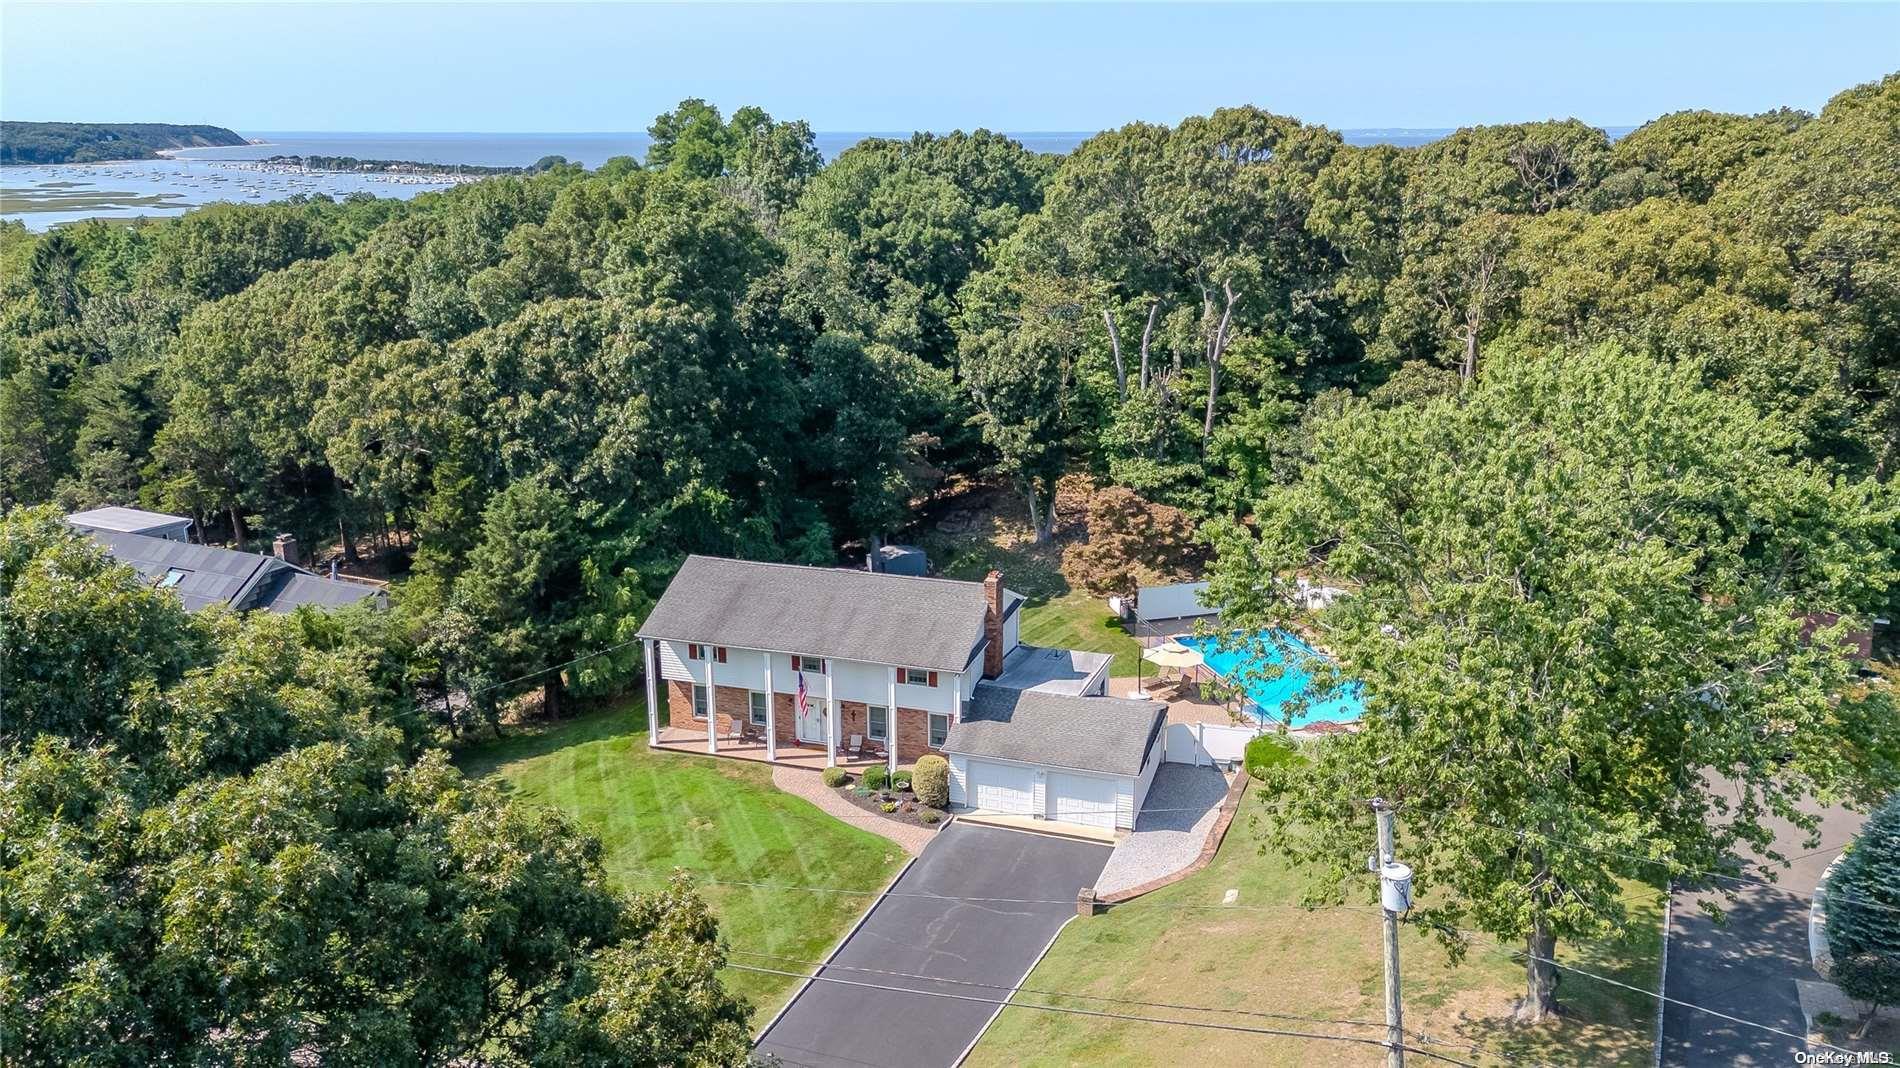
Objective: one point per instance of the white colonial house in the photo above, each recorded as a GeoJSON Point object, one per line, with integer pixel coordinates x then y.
{"type": "Point", "coordinates": [815, 667]}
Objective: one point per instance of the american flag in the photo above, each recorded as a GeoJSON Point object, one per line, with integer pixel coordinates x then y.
{"type": "Point", "coordinates": [803, 708]}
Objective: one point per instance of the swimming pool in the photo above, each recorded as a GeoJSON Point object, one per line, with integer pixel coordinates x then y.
{"type": "Point", "coordinates": [1267, 695]}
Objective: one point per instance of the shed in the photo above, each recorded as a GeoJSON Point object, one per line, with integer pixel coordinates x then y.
{"type": "Point", "coordinates": [901, 560]}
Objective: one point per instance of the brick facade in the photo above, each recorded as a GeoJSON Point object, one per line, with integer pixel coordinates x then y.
{"type": "Point", "coordinates": [732, 705]}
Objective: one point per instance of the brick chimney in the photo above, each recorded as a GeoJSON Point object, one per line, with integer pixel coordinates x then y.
{"type": "Point", "coordinates": [284, 547]}
{"type": "Point", "coordinates": [993, 625]}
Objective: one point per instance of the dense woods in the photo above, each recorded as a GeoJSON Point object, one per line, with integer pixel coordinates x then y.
{"type": "Point", "coordinates": [531, 396]}
{"type": "Point", "coordinates": [95, 142]}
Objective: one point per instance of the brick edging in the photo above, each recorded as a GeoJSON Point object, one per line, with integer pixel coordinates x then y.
{"type": "Point", "coordinates": [1229, 806]}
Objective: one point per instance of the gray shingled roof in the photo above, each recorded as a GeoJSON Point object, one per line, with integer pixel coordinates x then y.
{"type": "Point", "coordinates": [225, 576]}
{"type": "Point", "coordinates": [936, 624]}
{"type": "Point", "coordinates": [1110, 735]}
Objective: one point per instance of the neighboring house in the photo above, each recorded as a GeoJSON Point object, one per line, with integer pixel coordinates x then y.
{"type": "Point", "coordinates": [201, 575]}
{"type": "Point", "coordinates": [910, 666]}
{"type": "Point", "coordinates": [133, 521]}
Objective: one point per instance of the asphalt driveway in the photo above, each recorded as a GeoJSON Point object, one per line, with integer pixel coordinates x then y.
{"type": "Point", "coordinates": [994, 941]}
{"type": "Point", "coordinates": [1747, 965]}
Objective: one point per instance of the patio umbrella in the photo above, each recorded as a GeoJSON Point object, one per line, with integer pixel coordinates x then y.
{"type": "Point", "coordinates": [1171, 654]}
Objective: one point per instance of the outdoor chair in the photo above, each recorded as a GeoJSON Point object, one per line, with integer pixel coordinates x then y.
{"type": "Point", "coordinates": [856, 747]}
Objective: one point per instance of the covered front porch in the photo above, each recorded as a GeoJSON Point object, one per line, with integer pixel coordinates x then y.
{"type": "Point", "coordinates": [692, 739]}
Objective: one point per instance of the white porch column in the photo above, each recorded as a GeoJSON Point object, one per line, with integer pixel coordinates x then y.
{"type": "Point", "coordinates": [771, 712]}
{"type": "Point", "coordinates": [712, 706]}
{"type": "Point", "coordinates": [956, 706]}
{"type": "Point", "coordinates": [890, 726]}
{"type": "Point", "coordinates": [831, 719]}
{"type": "Point", "coordinates": [653, 694]}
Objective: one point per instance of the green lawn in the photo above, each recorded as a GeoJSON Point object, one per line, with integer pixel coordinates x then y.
{"type": "Point", "coordinates": [723, 819]}
{"type": "Point", "coordinates": [1323, 963]}
{"type": "Point", "coordinates": [1077, 620]}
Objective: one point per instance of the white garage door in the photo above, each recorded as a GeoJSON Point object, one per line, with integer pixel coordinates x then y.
{"type": "Point", "coordinates": [1002, 788]}
{"type": "Point", "coordinates": [1082, 799]}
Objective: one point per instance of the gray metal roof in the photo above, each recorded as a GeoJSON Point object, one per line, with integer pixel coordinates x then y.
{"type": "Point", "coordinates": [1109, 735]}
{"type": "Point", "coordinates": [208, 575]}
{"type": "Point", "coordinates": [291, 588]}
{"type": "Point", "coordinates": [125, 520]}
{"type": "Point", "coordinates": [899, 620]}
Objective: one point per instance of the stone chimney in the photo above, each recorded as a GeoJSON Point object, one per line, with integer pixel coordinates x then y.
{"type": "Point", "coordinates": [284, 547]}
{"type": "Point", "coordinates": [993, 625]}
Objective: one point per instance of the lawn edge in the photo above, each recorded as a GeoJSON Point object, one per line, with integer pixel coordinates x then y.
{"type": "Point", "coordinates": [839, 944]}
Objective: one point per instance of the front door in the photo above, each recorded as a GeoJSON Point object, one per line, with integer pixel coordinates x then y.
{"type": "Point", "coordinates": [811, 723]}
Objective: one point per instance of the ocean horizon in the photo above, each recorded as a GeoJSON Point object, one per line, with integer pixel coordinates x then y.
{"type": "Point", "coordinates": [48, 195]}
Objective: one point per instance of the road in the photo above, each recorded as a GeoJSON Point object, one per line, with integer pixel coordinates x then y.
{"type": "Point", "coordinates": [1747, 966]}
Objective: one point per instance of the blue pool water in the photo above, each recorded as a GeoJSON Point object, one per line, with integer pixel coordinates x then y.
{"type": "Point", "coordinates": [1268, 695]}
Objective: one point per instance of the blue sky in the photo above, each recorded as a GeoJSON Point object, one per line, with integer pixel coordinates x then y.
{"type": "Point", "coordinates": [899, 66]}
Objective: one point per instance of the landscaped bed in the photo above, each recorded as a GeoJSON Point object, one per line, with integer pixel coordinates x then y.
{"type": "Point", "coordinates": [717, 819]}
{"type": "Point", "coordinates": [1177, 946]}
{"type": "Point", "coordinates": [892, 802]}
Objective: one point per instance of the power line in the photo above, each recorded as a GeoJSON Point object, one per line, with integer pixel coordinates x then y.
{"type": "Point", "coordinates": [1068, 902]}
{"type": "Point", "coordinates": [1100, 1014]}
{"type": "Point", "coordinates": [1174, 1006]}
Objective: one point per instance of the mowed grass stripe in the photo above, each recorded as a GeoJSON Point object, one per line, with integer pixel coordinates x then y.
{"type": "Point", "coordinates": [657, 811]}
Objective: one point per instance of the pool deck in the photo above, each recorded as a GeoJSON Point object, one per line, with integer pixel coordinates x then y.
{"type": "Point", "coordinates": [1184, 703]}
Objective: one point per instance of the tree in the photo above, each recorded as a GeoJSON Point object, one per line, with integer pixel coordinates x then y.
{"type": "Point", "coordinates": [1020, 337]}
{"type": "Point", "coordinates": [523, 582]}
{"type": "Point", "coordinates": [1131, 540]}
{"type": "Point", "coordinates": [220, 846]}
{"type": "Point", "coordinates": [764, 164]}
{"type": "Point", "coordinates": [1578, 590]}
{"type": "Point", "coordinates": [883, 239]}
{"type": "Point", "coordinates": [1465, 197]}
{"type": "Point", "coordinates": [1863, 915]}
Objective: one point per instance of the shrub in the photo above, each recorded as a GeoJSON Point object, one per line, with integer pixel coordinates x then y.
{"type": "Point", "coordinates": [1863, 914]}
{"type": "Point", "coordinates": [889, 806]}
{"type": "Point", "coordinates": [931, 780]}
{"type": "Point", "coordinates": [930, 815]}
{"type": "Point", "coordinates": [875, 777]}
{"type": "Point", "coordinates": [836, 777]}
{"type": "Point", "coordinates": [1270, 751]}
{"type": "Point", "coordinates": [901, 780]}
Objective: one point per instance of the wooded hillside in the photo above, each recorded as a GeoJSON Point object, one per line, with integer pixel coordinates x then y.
{"type": "Point", "coordinates": [94, 142]}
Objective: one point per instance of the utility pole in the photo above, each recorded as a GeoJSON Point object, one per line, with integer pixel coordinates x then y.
{"type": "Point", "coordinates": [1395, 896]}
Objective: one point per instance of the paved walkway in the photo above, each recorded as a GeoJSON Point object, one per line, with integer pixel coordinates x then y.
{"type": "Point", "coordinates": [810, 785]}
{"type": "Point", "coordinates": [1180, 811]}
{"type": "Point", "coordinates": [1747, 966]}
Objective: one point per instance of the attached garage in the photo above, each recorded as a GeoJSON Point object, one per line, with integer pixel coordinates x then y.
{"type": "Point", "coordinates": [997, 787]}
{"type": "Point", "coordinates": [1053, 756]}
{"type": "Point", "coordinates": [1085, 799]}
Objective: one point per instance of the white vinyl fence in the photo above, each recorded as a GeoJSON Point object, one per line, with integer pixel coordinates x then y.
{"type": "Point", "coordinates": [1203, 744]}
